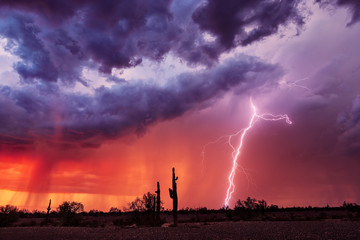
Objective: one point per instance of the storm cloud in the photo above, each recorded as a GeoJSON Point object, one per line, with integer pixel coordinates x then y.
{"type": "Point", "coordinates": [33, 113]}
{"type": "Point", "coordinates": [55, 41]}
{"type": "Point", "coordinates": [352, 5]}
{"type": "Point", "coordinates": [229, 20]}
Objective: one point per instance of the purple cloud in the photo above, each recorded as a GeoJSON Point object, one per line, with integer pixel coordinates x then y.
{"type": "Point", "coordinates": [229, 20]}
{"type": "Point", "coordinates": [352, 5]}
{"type": "Point", "coordinates": [56, 40]}
{"type": "Point", "coordinates": [34, 113]}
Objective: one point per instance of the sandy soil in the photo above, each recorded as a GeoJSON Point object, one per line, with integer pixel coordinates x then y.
{"type": "Point", "coordinates": [220, 230]}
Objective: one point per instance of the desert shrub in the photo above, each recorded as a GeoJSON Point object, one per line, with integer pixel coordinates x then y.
{"type": "Point", "coordinates": [95, 212]}
{"type": "Point", "coordinates": [115, 211]}
{"type": "Point", "coordinates": [24, 213]}
{"type": "Point", "coordinates": [8, 215]}
{"type": "Point", "coordinates": [250, 208]}
{"type": "Point", "coordinates": [273, 207]}
{"type": "Point", "coordinates": [144, 204]}
{"type": "Point", "coordinates": [69, 213]}
{"type": "Point", "coordinates": [38, 214]}
{"type": "Point", "coordinates": [202, 210]}
{"type": "Point", "coordinates": [244, 209]}
{"type": "Point", "coordinates": [352, 207]}
{"type": "Point", "coordinates": [185, 211]}
{"type": "Point", "coordinates": [142, 210]}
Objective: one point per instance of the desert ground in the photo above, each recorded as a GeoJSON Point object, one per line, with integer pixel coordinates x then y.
{"type": "Point", "coordinates": [332, 229]}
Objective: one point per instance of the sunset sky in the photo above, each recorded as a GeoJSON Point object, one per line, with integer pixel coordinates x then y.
{"type": "Point", "coordinates": [100, 99]}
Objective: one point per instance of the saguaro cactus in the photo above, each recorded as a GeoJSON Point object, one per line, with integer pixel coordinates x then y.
{"type": "Point", "coordinates": [158, 202]}
{"type": "Point", "coordinates": [173, 195]}
{"type": "Point", "coordinates": [48, 211]}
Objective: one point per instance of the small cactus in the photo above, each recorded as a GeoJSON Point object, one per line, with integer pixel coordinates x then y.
{"type": "Point", "coordinates": [48, 211]}
{"type": "Point", "coordinates": [158, 202]}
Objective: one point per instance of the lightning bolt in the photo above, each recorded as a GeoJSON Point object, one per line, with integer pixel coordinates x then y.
{"type": "Point", "coordinates": [237, 149]}
{"type": "Point", "coordinates": [296, 84]}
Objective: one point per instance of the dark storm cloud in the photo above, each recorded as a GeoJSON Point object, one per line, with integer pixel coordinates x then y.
{"type": "Point", "coordinates": [78, 33]}
{"type": "Point", "coordinates": [56, 39]}
{"type": "Point", "coordinates": [127, 108]}
{"type": "Point", "coordinates": [352, 5]}
{"type": "Point", "coordinates": [26, 113]}
{"type": "Point", "coordinates": [228, 20]}
{"type": "Point", "coordinates": [23, 42]}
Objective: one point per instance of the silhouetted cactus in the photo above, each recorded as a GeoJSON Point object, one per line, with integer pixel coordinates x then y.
{"type": "Point", "coordinates": [173, 195]}
{"type": "Point", "coordinates": [158, 203]}
{"type": "Point", "coordinates": [48, 211]}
